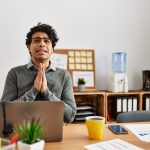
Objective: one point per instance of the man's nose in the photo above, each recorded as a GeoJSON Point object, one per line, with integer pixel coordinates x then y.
{"type": "Point", "coordinates": [42, 43]}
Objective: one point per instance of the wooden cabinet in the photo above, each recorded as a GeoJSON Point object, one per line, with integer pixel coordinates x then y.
{"type": "Point", "coordinates": [104, 103]}
{"type": "Point", "coordinates": [116, 103]}
{"type": "Point", "coordinates": [119, 102]}
{"type": "Point", "coordinates": [89, 103]}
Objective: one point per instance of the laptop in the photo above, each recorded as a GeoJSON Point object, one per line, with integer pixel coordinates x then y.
{"type": "Point", "coordinates": [51, 114]}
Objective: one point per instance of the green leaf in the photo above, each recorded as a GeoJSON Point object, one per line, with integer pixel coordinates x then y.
{"type": "Point", "coordinates": [29, 131]}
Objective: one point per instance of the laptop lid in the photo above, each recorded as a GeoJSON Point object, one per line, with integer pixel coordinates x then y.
{"type": "Point", "coordinates": [51, 114]}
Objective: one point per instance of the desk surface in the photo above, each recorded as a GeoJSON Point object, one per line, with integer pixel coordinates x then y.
{"type": "Point", "coordinates": [75, 137]}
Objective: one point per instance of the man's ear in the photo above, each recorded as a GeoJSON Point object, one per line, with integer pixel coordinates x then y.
{"type": "Point", "coordinates": [28, 47]}
{"type": "Point", "coordinates": [52, 50]}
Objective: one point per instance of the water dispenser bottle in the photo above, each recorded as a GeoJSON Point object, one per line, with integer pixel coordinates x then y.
{"type": "Point", "coordinates": [119, 62]}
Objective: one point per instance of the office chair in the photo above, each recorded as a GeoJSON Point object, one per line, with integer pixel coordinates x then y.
{"type": "Point", "coordinates": [133, 116]}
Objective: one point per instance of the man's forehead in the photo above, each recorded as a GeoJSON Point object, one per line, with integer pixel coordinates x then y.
{"type": "Point", "coordinates": [40, 35]}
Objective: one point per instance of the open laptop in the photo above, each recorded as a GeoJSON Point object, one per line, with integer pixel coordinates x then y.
{"type": "Point", "coordinates": [51, 114]}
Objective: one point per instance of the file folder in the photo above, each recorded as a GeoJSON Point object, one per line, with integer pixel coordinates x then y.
{"type": "Point", "coordinates": [124, 104]}
{"type": "Point", "coordinates": [129, 104]}
{"type": "Point", "coordinates": [147, 100]}
{"type": "Point", "coordinates": [134, 104]}
{"type": "Point", "coordinates": [119, 104]}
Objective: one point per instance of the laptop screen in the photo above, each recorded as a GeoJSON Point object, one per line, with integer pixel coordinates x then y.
{"type": "Point", "coordinates": [51, 114]}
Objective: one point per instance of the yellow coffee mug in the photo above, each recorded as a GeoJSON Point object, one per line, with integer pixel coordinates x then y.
{"type": "Point", "coordinates": [95, 126]}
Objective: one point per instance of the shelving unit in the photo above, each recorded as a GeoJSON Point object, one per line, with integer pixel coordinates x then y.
{"type": "Point", "coordinates": [89, 103]}
{"type": "Point", "coordinates": [111, 102]}
{"type": "Point", "coordinates": [104, 103]}
{"type": "Point", "coordinates": [112, 106]}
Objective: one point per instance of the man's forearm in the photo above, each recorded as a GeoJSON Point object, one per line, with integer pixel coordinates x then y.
{"type": "Point", "coordinates": [29, 95]}
{"type": "Point", "coordinates": [69, 113]}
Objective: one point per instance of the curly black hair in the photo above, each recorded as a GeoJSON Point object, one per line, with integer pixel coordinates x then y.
{"type": "Point", "coordinates": [42, 28]}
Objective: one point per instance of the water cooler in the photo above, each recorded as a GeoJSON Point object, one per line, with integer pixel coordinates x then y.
{"type": "Point", "coordinates": [118, 80]}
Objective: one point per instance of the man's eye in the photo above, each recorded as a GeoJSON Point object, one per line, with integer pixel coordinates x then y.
{"type": "Point", "coordinates": [47, 41]}
{"type": "Point", "coordinates": [37, 40]}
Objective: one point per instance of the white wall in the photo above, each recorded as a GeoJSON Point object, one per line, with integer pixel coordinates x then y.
{"type": "Point", "coordinates": [104, 25]}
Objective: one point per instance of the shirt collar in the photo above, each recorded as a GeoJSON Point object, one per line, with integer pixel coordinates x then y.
{"type": "Point", "coordinates": [50, 67]}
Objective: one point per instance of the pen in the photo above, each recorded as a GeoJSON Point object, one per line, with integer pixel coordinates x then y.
{"type": "Point", "coordinates": [14, 139]}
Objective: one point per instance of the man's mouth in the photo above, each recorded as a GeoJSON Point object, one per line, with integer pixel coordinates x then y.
{"type": "Point", "coordinates": [41, 50]}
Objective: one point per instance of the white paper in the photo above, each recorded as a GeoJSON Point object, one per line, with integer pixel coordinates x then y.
{"type": "Point", "coordinates": [142, 131]}
{"type": "Point", "coordinates": [115, 144]}
{"type": "Point", "coordinates": [87, 75]}
{"type": "Point", "coordinates": [59, 60]}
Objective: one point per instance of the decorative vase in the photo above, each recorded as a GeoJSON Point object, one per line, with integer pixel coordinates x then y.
{"type": "Point", "coordinates": [35, 146]}
{"type": "Point", "coordinates": [81, 87]}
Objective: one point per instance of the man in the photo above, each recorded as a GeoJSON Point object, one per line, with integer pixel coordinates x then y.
{"type": "Point", "coordinates": [39, 79]}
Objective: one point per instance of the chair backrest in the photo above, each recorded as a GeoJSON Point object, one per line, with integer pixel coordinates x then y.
{"type": "Point", "coordinates": [134, 116]}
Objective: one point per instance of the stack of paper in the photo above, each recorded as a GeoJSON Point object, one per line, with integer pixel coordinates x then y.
{"type": "Point", "coordinates": [115, 144]}
{"type": "Point", "coordinates": [83, 112]}
{"type": "Point", "coordinates": [142, 131]}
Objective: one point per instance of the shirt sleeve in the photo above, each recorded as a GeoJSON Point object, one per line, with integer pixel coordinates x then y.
{"type": "Point", "coordinates": [29, 95]}
{"type": "Point", "coordinates": [67, 97]}
{"type": "Point", "coordinates": [10, 92]}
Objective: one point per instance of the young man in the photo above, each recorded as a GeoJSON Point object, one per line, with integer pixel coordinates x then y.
{"type": "Point", "coordinates": [39, 79]}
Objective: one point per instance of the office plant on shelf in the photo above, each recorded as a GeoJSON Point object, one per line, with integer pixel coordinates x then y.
{"type": "Point", "coordinates": [30, 134]}
{"type": "Point", "coordinates": [81, 84]}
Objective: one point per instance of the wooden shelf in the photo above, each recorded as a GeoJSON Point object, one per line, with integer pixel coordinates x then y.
{"type": "Point", "coordinates": [110, 104]}
{"type": "Point", "coordinates": [104, 101]}
{"type": "Point", "coordinates": [96, 100]}
{"type": "Point", "coordinates": [90, 93]}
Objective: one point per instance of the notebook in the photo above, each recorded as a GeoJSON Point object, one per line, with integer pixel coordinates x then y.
{"type": "Point", "coordinates": [51, 115]}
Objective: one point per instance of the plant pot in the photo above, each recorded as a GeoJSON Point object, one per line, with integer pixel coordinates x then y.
{"type": "Point", "coordinates": [81, 87]}
{"type": "Point", "coordinates": [36, 146]}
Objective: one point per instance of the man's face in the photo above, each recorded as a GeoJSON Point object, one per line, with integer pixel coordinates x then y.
{"type": "Point", "coordinates": [40, 47]}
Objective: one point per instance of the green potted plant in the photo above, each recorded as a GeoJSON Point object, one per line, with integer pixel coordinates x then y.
{"type": "Point", "coordinates": [81, 84]}
{"type": "Point", "coordinates": [30, 133]}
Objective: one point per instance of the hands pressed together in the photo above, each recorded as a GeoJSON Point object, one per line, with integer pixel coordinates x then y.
{"type": "Point", "coordinates": [40, 82]}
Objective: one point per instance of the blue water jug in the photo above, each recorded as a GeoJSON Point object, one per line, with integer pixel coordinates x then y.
{"type": "Point", "coordinates": [119, 62]}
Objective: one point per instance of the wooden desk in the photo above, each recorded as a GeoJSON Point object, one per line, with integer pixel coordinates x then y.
{"type": "Point", "coordinates": [75, 137]}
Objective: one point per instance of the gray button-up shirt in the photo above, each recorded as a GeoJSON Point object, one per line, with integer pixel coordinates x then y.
{"type": "Point", "coordinates": [19, 85]}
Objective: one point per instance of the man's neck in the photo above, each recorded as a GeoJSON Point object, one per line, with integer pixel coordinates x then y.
{"type": "Point", "coordinates": [45, 63]}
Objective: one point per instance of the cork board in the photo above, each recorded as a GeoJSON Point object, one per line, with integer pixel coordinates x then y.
{"type": "Point", "coordinates": [79, 63]}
